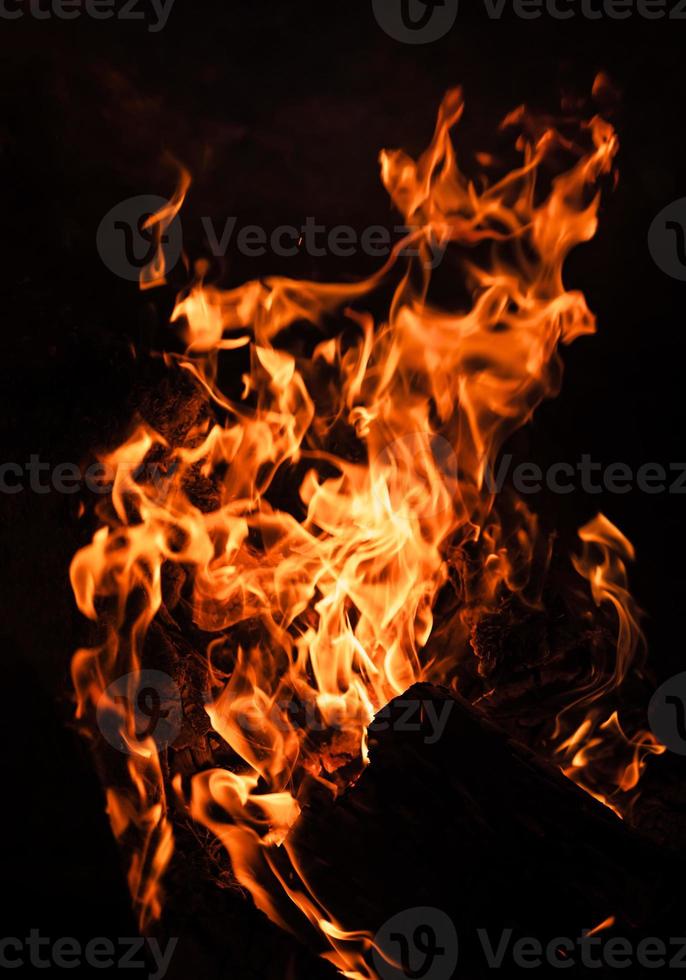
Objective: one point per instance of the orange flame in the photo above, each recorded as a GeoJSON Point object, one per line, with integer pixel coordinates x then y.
{"type": "Point", "coordinates": [348, 476]}
{"type": "Point", "coordinates": [605, 924]}
{"type": "Point", "coordinates": [599, 752]}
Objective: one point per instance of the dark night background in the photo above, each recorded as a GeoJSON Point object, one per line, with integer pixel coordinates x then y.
{"type": "Point", "coordinates": [279, 111]}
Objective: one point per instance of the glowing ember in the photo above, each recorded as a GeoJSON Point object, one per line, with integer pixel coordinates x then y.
{"type": "Point", "coordinates": [348, 483]}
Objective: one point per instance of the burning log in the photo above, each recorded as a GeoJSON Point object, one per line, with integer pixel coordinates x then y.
{"type": "Point", "coordinates": [466, 820]}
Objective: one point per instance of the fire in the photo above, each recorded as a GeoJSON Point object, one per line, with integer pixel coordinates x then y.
{"type": "Point", "coordinates": [605, 924]}
{"type": "Point", "coordinates": [599, 753]}
{"type": "Point", "coordinates": [347, 477]}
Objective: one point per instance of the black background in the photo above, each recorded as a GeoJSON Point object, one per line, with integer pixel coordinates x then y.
{"type": "Point", "coordinates": [279, 111]}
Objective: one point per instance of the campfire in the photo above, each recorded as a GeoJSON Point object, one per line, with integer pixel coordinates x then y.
{"type": "Point", "coordinates": [320, 635]}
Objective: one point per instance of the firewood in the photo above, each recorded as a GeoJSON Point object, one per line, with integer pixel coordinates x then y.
{"type": "Point", "coordinates": [473, 824]}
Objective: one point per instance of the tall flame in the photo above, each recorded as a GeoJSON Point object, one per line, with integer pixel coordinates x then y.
{"type": "Point", "coordinates": [348, 483]}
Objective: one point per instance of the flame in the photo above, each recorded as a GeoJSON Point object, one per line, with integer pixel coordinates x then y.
{"type": "Point", "coordinates": [154, 273]}
{"type": "Point", "coordinates": [348, 485]}
{"type": "Point", "coordinates": [599, 752]}
{"type": "Point", "coordinates": [605, 924]}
